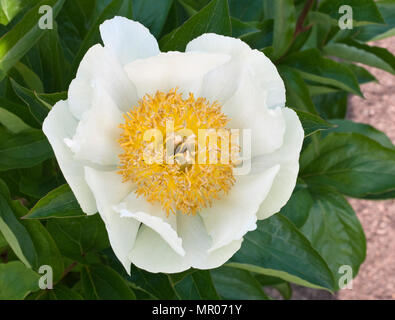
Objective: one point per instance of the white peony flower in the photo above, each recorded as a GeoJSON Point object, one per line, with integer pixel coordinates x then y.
{"type": "Point", "coordinates": [170, 217]}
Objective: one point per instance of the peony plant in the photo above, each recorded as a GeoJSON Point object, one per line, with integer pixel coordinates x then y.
{"type": "Point", "coordinates": [167, 216]}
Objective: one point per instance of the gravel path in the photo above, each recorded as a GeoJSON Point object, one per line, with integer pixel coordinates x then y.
{"type": "Point", "coordinates": [376, 278]}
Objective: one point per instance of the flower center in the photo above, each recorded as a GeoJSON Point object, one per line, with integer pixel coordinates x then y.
{"type": "Point", "coordinates": [166, 156]}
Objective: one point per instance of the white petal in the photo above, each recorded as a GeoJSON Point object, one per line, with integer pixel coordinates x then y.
{"type": "Point", "coordinates": [153, 254]}
{"type": "Point", "coordinates": [58, 125]}
{"type": "Point", "coordinates": [265, 75]}
{"type": "Point", "coordinates": [288, 158]}
{"type": "Point", "coordinates": [222, 82]}
{"type": "Point", "coordinates": [99, 68]}
{"type": "Point", "coordinates": [128, 40]}
{"type": "Point", "coordinates": [173, 69]}
{"type": "Point", "coordinates": [109, 190]}
{"type": "Point", "coordinates": [250, 88]}
{"type": "Point", "coordinates": [231, 217]}
{"type": "Point", "coordinates": [247, 111]}
{"type": "Point", "coordinates": [153, 217]}
{"type": "Point", "coordinates": [97, 134]}
{"type": "Point", "coordinates": [214, 43]}
{"type": "Point", "coordinates": [197, 244]}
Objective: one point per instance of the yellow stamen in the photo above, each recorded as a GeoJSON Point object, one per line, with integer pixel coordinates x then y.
{"type": "Point", "coordinates": [181, 185]}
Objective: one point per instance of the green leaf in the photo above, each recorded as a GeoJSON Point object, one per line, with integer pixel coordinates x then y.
{"type": "Point", "coordinates": [320, 30]}
{"type": "Point", "coordinates": [314, 67]}
{"type": "Point", "coordinates": [261, 39]}
{"type": "Point", "coordinates": [212, 18]}
{"type": "Point", "coordinates": [59, 203]}
{"type": "Point", "coordinates": [237, 284]}
{"type": "Point", "coordinates": [59, 292]}
{"type": "Point", "coordinates": [312, 123]}
{"type": "Point", "coordinates": [352, 163]}
{"type": "Point", "coordinates": [195, 285]}
{"type": "Point", "coordinates": [14, 232]}
{"type": "Point", "coordinates": [36, 107]}
{"type": "Point", "coordinates": [379, 32]}
{"type": "Point", "coordinates": [297, 92]}
{"type": "Point", "coordinates": [50, 99]}
{"type": "Point", "coordinates": [284, 26]}
{"type": "Point", "coordinates": [241, 28]}
{"type": "Point", "coordinates": [39, 104]}
{"type": "Point", "coordinates": [284, 289]}
{"type": "Point", "coordinates": [363, 75]}
{"type": "Point", "coordinates": [335, 231]}
{"type": "Point", "coordinates": [190, 7]}
{"type": "Point", "coordinates": [12, 122]}
{"type": "Point", "coordinates": [79, 238]}
{"type": "Point", "coordinates": [330, 224]}
{"type": "Point", "coordinates": [152, 13]}
{"type": "Point", "coordinates": [24, 149]}
{"type": "Point", "coordinates": [16, 281]}
{"type": "Point", "coordinates": [45, 247]}
{"type": "Point", "coordinates": [247, 10]}
{"type": "Point", "coordinates": [299, 41]}
{"type": "Point", "coordinates": [29, 240]}
{"type": "Point", "coordinates": [103, 283]}
{"type": "Point", "coordinates": [268, 8]}
{"type": "Point", "coordinates": [178, 14]}
{"type": "Point", "coordinates": [364, 11]}
{"type": "Point", "coordinates": [29, 77]}
{"type": "Point", "coordinates": [75, 20]}
{"type": "Point", "coordinates": [3, 241]}
{"type": "Point", "coordinates": [23, 36]}
{"type": "Point", "coordinates": [343, 125]}
{"type": "Point", "coordinates": [298, 206]}
{"type": "Point", "coordinates": [277, 248]}
{"type": "Point", "coordinates": [55, 67]}
{"type": "Point", "coordinates": [355, 51]}
{"type": "Point", "coordinates": [316, 90]}
{"type": "Point", "coordinates": [381, 196]}
{"type": "Point", "coordinates": [38, 181]}
{"type": "Point", "coordinates": [331, 105]}
{"type": "Point", "coordinates": [11, 8]}
{"type": "Point", "coordinates": [114, 8]}
{"type": "Point", "coordinates": [20, 111]}
{"type": "Point", "coordinates": [11, 179]}
{"type": "Point", "coordinates": [158, 285]}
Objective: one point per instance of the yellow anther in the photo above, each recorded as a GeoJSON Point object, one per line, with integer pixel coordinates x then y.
{"type": "Point", "coordinates": [177, 182]}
